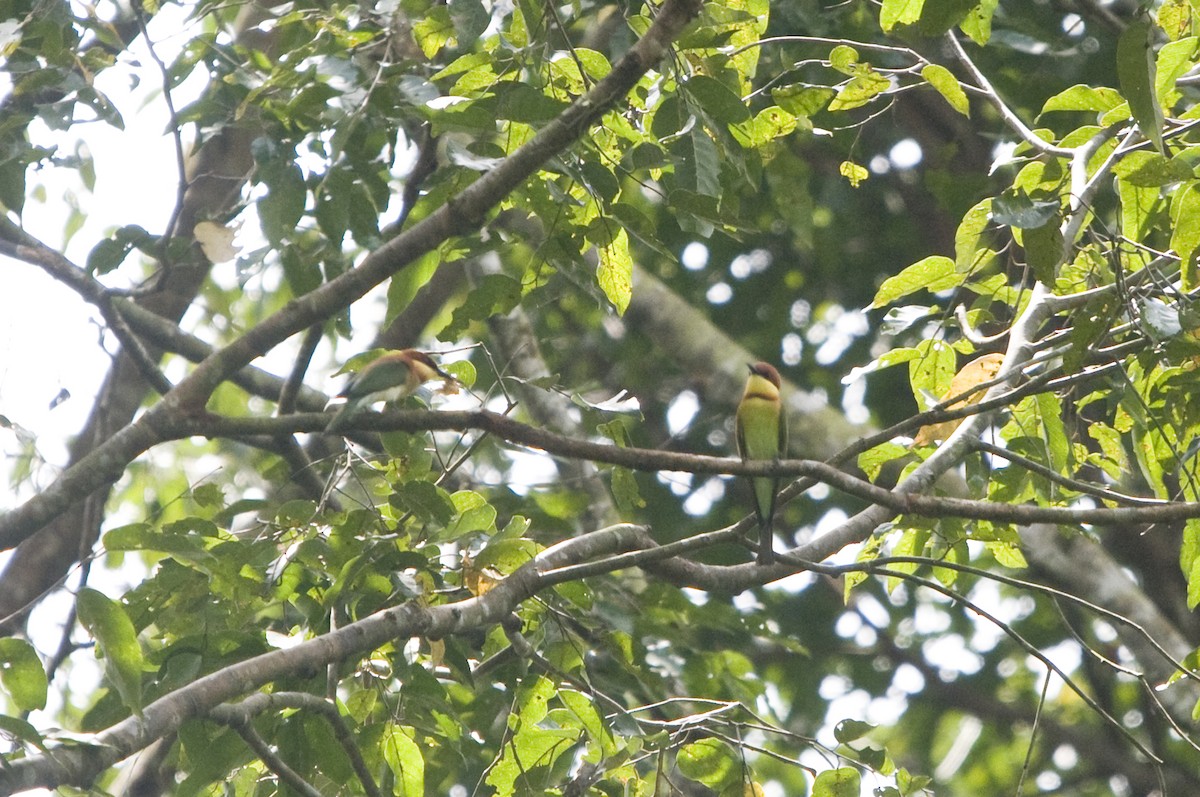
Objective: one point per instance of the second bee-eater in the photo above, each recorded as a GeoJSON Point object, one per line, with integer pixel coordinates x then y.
{"type": "Point", "coordinates": [389, 377]}
{"type": "Point", "coordinates": [762, 434]}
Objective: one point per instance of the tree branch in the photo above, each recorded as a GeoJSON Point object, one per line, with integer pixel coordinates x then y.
{"type": "Point", "coordinates": [81, 761]}
{"type": "Point", "coordinates": [463, 213]}
{"type": "Point", "coordinates": [242, 713]}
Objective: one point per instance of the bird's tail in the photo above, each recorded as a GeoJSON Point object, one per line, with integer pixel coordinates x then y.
{"type": "Point", "coordinates": [764, 504]}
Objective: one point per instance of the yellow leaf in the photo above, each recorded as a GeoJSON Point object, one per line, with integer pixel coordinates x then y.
{"type": "Point", "coordinates": [437, 651]}
{"type": "Point", "coordinates": [977, 372]}
{"type": "Point", "coordinates": [479, 580]}
{"type": "Point", "coordinates": [853, 172]}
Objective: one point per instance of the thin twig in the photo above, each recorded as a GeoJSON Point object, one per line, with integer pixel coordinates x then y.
{"type": "Point", "coordinates": [274, 762]}
{"type": "Point", "coordinates": [291, 387]}
{"type": "Point", "coordinates": [1029, 648]}
{"type": "Point", "coordinates": [1014, 121]}
{"type": "Point", "coordinates": [1065, 481]}
{"type": "Point", "coordinates": [173, 123]}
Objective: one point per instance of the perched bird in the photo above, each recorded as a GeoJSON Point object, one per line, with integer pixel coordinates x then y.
{"type": "Point", "coordinates": [762, 434]}
{"type": "Point", "coordinates": [389, 377]}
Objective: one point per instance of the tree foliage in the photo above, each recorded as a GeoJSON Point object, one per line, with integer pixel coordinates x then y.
{"type": "Point", "coordinates": [967, 233]}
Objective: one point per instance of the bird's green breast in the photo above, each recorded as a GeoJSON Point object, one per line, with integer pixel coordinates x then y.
{"type": "Point", "coordinates": [758, 419]}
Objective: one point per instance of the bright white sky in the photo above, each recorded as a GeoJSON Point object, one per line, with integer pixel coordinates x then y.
{"type": "Point", "coordinates": [48, 336]}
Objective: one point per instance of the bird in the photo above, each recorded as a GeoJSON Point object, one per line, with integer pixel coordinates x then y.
{"type": "Point", "coordinates": [389, 377]}
{"type": "Point", "coordinates": [762, 434]}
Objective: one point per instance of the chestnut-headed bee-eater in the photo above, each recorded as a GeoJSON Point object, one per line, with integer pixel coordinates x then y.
{"type": "Point", "coordinates": [762, 434]}
{"type": "Point", "coordinates": [389, 377]}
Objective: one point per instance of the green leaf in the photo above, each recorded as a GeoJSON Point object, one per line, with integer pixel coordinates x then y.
{"type": "Point", "coordinates": [506, 555]}
{"type": "Point", "coordinates": [885, 360]}
{"type": "Point", "coordinates": [698, 168]}
{"type": "Point", "coordinates": [22, 731]}
{"type": "Point", "coordinates": [470, 19]}
{"type": "Point", "coordinates": [1008, 555]}
{"type": "Point", "coordinates": [844, 59]}
{"type": "Point", "coordinates": [1151, 170]}
{"type": "Point", "coordinates": [967, 238]}
{"type": "Point", "coordinates": [533, 701]}
{"type": "Point", "coordinates": [1054, 433]}
{"type": "Point", "coordinates": [474, 513]}
{"type": "Point", "coordinates": [709, 761]}
{"type": "Point", "coordinates": [625, 490]}
{"type": "Point", "coordinates": [117, 640]}
{"type": "Point", "coordinates": [181, 542]}
{"type": "Point", "coordinates": [1189, 560]}
{"type": "Point", "coordinates": [863, 88]}
{"type": "Point", "coordinates": [584, 711]}
{"type": "Point", "coordinates": [948, 86]}
{"type": "Point", "coordinates": [718, 100]}
{"type": "Point", "coordinates": [532, 747]}
{"type": "Point", "coordinates": [1173, 62]}
{"type": "Point", "coordinates": [279, 212]}
{"type": "Point", "coordinates": [843, 782]}
{"type": "Point", "coordinates": [302, 272]}
{"type": "Point", "coordinates": [22, 675]}
{"type": "Point", "coordinates": [404, 286]}
{"type": "Point", "coordinates": [1016, 208]}
{"type": "Point", "coordinates": [1135, 73]}
{"type": "Point", "coordinates": [105, 256]}
{"type": "Point", "coordinates": [111, 252]}
{"type": "Point", "coordinates": [803, 101]}
{"type": "Point", "coordinates": [1112, 458]}
{"type": "Point", "coordinates": [333, 205]}
{"type": "Point", "coordinates": [770, 123]}
{"type": "Point", "coordinates": [595, 64]}
{"type": "Point", "coordinates": [1176, 17]}
{"type": "Point", "coordinates": [462, 370]}
{"type": "Point", "coordinates": [465, 63]}
{"type": "Point", "coordinates": [1139, 207]}
{"type": "Point", "coordinates": [434, 30]}
{"type": "Point", "coordinates": [911, 543]}
{"type": "Point", "coordinates": [939, 17]}
{"type": "Point", "coordinates": [669, 118]}
{"type": "Point", "coordinates": [871, 462]}
{"type": "Point", "coordinates": [425, 500]}
{"type": "Point", "coordinates": [615, 272]}
{"type": "Point", "coordinates": [978, 22]}
{"type": "Point", "coordinates": [899, 12]}
{"type": "Point", "coordinates": [601, 180]}
{"type": "Point", "coordinates": [1044, 249]}
{"type": "Point", "coordinates": [932, 370]}
{"type": "Point", "coordinates": [495, 294]}
{"type": "Point", "coordinates": [933, 273]}
{"type": "Point", "coordinates": [521, 102]}
{"type": "Point", "coordinates": [754, 15]}
{"type": "Point", "coordinates": [847, 731]}
{"type": "Point", "coordinates": [404, 759]}
{"type": "Point", "coordinates": [1185, 230]}
{"type": "Point", "coordinates": [1081, 97]}
{"type": "Point", "coordinates": [12, 185]}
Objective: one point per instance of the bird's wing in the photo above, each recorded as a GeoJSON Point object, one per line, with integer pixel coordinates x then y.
{"type": "Point", "coordinates": [378, 376]}
{"type": "Point", "coordinates": [740, 425]}
{"type": "Point", "coordinates": [783, 431]}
